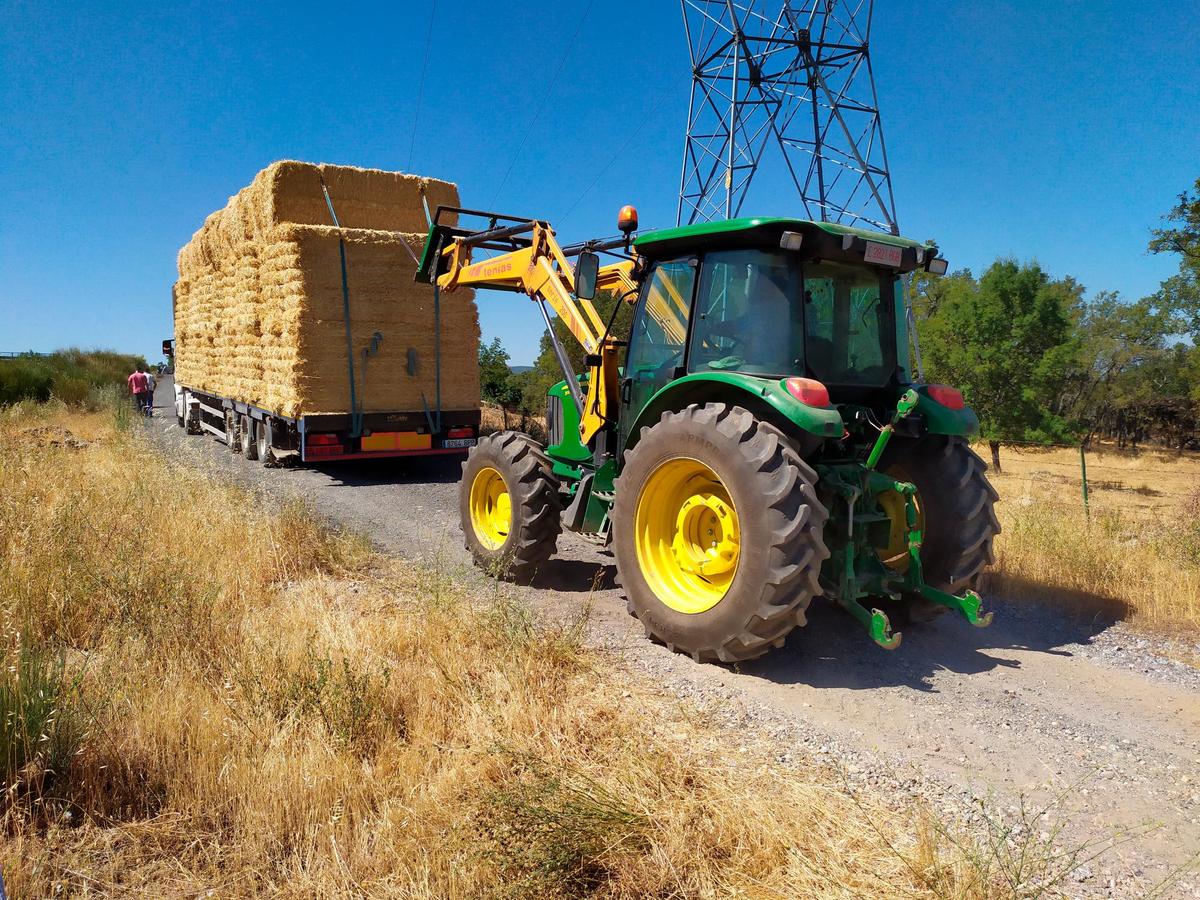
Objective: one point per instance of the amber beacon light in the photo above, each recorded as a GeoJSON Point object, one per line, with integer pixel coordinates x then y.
{"type": "Point", "coordinates": [627, 219]}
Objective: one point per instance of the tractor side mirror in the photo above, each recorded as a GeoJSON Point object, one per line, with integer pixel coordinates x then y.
{"type": "Point", "coordinates": [587, 273]}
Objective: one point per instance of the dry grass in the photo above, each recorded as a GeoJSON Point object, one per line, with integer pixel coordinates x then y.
{"type": "Point", "coordinates": [496, 418]}
{"type": "Point", "coordinates": [245, 703]}
{"type": "Point", "coordinates": [1136, 558]}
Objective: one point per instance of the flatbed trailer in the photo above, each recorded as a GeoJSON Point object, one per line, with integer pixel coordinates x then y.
{"type": "Point", "coordinates": [324, 437]}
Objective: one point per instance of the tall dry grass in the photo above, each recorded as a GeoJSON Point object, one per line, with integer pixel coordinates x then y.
{"type": "Point", "coordinates": [248, 704]}
{"type": "Point", "coordinates": [1136, 557]}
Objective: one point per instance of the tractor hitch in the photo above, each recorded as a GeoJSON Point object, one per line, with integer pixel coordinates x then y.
{"type": "Point", "coordinates": [877, 623]}
{"type": "Point", "coordinates": [968, 606]}
{"type": "Point", "coordinates": [908, 402]}
{"type": "Point", "coordinates": [860, 572]}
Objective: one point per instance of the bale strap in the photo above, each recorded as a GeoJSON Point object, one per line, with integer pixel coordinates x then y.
{"type": "Point", "coordinates": [356, 414]}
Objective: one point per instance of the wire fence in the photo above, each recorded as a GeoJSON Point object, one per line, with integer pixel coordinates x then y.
{"type": "Point", "coordinates": [1090, 471]}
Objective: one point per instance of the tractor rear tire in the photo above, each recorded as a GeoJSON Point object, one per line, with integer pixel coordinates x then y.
{"type": "Point", "coordinates": [718, 533]}
{"type": "Point", "coordinates": [957, 504]}
{"type": "Point", "coordinates": [509, 505]}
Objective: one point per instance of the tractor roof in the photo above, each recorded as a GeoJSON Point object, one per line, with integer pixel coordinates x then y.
{"type": "Point", "coordinates": [750, 231]}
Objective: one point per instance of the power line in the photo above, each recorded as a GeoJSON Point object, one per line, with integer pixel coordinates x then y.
{"type": "Point", "coordinates": [620, 152]}
{"type": "Point", "coordinates": [421, 85]}
{"type": "Point", "coordinates": [538, 112]}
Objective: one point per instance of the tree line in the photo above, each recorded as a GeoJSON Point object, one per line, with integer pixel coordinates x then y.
{"type": "Point", "coordinates": [1035, 356]}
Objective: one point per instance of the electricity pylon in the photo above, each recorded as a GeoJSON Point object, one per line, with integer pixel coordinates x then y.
{"type": "Point", "coordinates": [793, 76]}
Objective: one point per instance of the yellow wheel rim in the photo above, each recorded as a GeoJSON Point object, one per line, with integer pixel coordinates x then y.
{"type": "Point", "coordinates": [491, 508]}
{"type": "Point", "coordinates": [895, 554]}
{"type": "Point", "coordinates": [687, 536]}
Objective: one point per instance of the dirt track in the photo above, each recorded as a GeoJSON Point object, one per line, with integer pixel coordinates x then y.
{"type": "Point", "coordinates": [1035, 705]}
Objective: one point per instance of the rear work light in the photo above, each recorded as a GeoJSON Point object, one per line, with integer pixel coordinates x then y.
{"type": "Point", "coordinates": [808, 391]}
{"type": "Point", "coordinates": [791, 240]}
{"type": "Point", "coordinates": [949, 397]}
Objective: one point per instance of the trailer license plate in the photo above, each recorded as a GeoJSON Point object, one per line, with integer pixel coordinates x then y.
{"type": "Point", "coordinates": [459, 442]}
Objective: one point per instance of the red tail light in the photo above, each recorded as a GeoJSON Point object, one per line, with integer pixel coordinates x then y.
{"type": "Point", "coordinates": [322, 445]}
{"type": "Point", "coordinates": [454, 433]}
{"type": "Point", "coordinates": [808, 391]}
{"type": "Point", "coordinates": [949, 397]}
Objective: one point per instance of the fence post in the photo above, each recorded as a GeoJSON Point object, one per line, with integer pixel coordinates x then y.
{"type": "Point", "coordinates": [1083, 471]}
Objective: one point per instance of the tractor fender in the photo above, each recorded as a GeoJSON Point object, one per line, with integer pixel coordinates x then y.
{"type": "Point", "coordinates": [944, 420]}
{"type": "Point", "coordinates": [767, 398]}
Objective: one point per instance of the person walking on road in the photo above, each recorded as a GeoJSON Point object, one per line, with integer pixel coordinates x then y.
{"type": "Point", "coordinates": [151, 384]}
{"type": "Point", "coordinates": [137, 389]}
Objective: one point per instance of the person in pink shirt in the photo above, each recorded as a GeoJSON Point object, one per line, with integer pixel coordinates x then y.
{"type": "Point", "coordinates": [137, 388]}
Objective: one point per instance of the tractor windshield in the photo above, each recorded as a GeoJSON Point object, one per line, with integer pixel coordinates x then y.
{"type": "Point", "coordinates": [765, 313]}
{"type": "Point", "coordinates": [747, 318]}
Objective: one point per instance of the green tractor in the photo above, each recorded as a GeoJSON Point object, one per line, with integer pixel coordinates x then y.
{"type": "Point", "coordinates": [764, 441]}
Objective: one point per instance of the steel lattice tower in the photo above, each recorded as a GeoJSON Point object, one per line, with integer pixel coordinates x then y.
{"type": "Point", "coordinates": [788, 75]}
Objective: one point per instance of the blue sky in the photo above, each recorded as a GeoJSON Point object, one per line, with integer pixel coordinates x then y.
{"type": "Point", "coordinates": [1057, 131]}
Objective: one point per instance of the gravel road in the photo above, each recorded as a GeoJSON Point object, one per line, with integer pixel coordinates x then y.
{"type": "Point", "coordinates": [1036, 706]}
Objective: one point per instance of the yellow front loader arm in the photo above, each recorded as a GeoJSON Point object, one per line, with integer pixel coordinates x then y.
{"type": "Point", "coordinates": [543, 272]}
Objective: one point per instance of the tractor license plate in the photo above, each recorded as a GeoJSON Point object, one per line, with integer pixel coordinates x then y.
{"type": "Point", "coordinates": [459, 442]}
{"type": "Point", "coordinates": [883, 254]}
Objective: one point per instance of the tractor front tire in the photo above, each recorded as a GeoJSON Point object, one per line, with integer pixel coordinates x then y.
{"type": "Point", "coordinates": [718, 533]}
{"type": "Point", "coordinates": [509, 505]}
{"type": "Point", "coordinates": [957, 505]}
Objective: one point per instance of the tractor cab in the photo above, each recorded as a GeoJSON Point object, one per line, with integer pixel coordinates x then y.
{"type": "Point", "coordinates": [775, 299]}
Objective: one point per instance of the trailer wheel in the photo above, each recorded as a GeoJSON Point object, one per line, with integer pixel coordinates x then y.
{"type": "Point", "coordinates": [191, 417]}
{"type": "Point", "coordinates": [265, 442]}
{"type": "Point", "coordinates": [249, 438]}
{"type": "Point", "coordinates": [233, 440]}
{"type": "Point", "coordinates": [509, 505]}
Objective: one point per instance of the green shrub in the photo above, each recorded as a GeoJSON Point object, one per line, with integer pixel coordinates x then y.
{"type": "Point", "coordinates": [70, 375]}
{"type": "Point", "coordinates": [556, 833]}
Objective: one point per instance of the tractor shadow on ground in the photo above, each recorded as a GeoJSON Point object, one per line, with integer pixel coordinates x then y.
{"type": "Point", "coordinates": [399, 470]}
{"type": "Point", "coordinates": [575, 576]}
{"type": "Point", "coordinates": [833, 651]}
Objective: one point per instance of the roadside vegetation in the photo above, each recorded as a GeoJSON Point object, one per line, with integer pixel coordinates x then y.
{"type": "Point", "coordinates": [201, 693]}
{"type": "Point", "coordinates": [87, 378]}
{"type": "Point", "coordinates": [1042, 360]}
{"type": "Point", "coordinates": [1136, 557]}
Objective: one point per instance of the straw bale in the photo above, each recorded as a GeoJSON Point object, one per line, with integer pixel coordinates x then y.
{"type": "Point", "coordinates": [259, 310]}
{"type": "Point", "coordinates": [290, 191]}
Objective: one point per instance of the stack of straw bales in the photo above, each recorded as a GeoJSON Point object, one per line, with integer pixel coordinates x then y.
{"type": "Point", "coordinates": [258, 303]}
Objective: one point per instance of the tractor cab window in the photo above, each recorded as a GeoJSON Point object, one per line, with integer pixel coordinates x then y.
{"type": "Point", "coordinates": [746, 319]}
{"type": "Point", "coordinates": [850, 335]}
{"type": "Point", "coordinates": [661, 327]}
{"type": "Point", "coordinates": [659, 336]}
